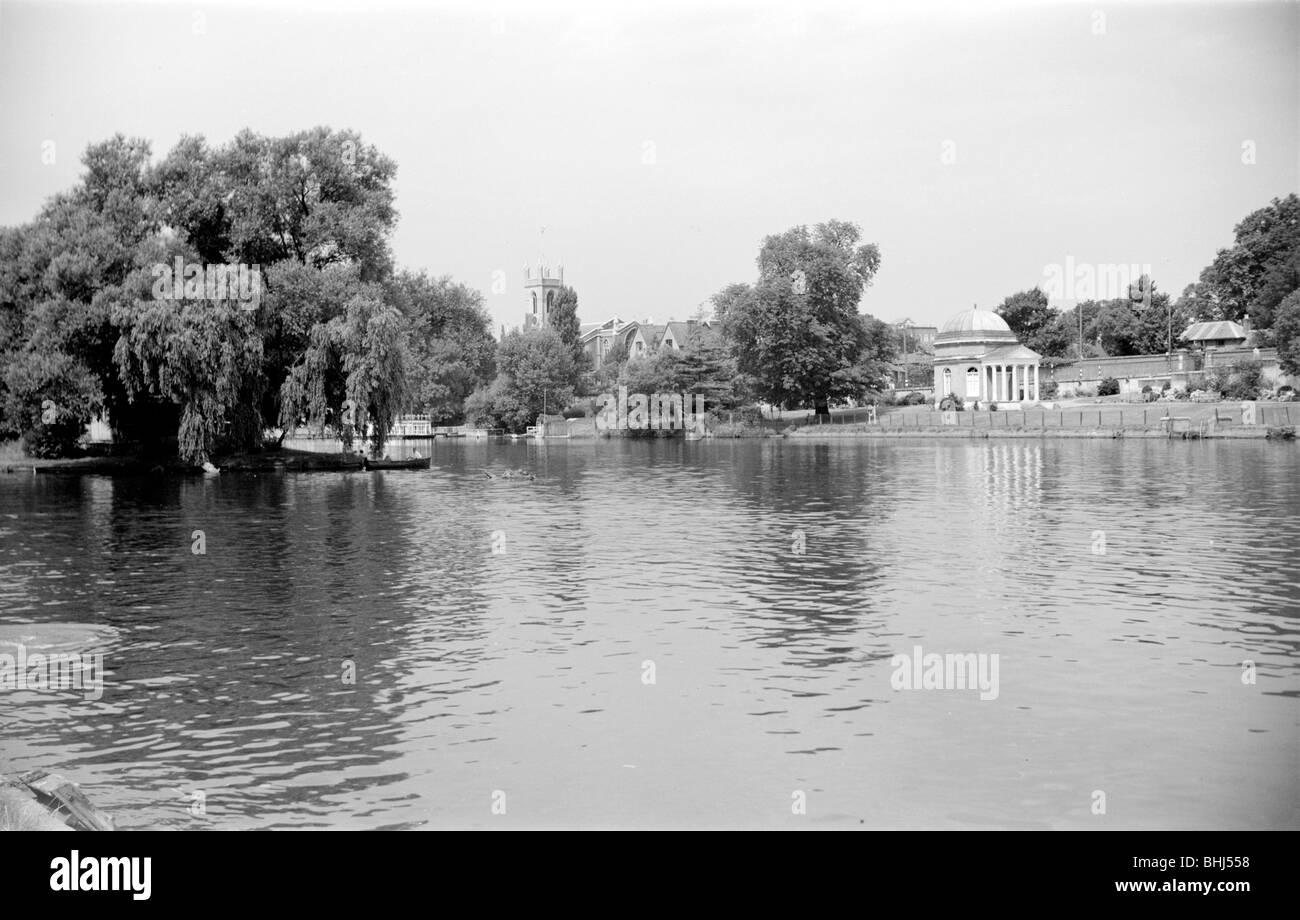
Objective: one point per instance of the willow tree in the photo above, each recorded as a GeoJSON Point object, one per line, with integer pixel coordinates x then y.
{"type": "Point", "coordinates": [353, 374]}
{"type": "Point", "coordinates": [796, 331]}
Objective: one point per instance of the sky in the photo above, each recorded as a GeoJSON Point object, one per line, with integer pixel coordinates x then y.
{"type": "Point", "coordinates": [977, 144]}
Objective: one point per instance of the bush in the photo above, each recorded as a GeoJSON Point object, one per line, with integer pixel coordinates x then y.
{"type": "Point", "coordinates": [993, 407]}
{"type": "Point", "coordinates": [952, 403]}
{"type": "Point", "coordinates": [1084, 393]}
{"type": "Point", "coordinates": [1217, 380]}
{"type": "Point", "coordinates": [1247, 381]}
{"type": "Point", "coordinates": [1108, 387]}
{"type": "Point", "coordinates": [1286, 393]}
{"type": "Point", "coordinates": [55, 440]}
{"type": "Point", "coordinates": [1049, 390]}
{"type": "Point", "coordinates": [915, 399]}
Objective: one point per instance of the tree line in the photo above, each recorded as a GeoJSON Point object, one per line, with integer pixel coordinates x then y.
{"type": "Point", "coordinates": [340, 338]}
{"type": "Point", "coordinates": [1257, 277]}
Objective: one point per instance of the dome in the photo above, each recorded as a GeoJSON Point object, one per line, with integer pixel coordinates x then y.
{"type": "Point", "coordinates": [976, 321]}
{"type": "Point", "coordinates": [975, 326]}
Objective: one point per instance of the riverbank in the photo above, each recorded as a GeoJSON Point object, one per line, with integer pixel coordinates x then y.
{"type": "Point", "coordinates": [835, 432]}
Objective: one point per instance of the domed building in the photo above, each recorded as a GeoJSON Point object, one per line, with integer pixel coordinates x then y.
{"type": "Point", "coordinates": [977, 358]}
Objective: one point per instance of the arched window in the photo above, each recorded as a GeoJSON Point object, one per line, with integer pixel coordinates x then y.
{"type": "Point", "coordinates": [947, 381]}
{"type": "Point", "coordinates": [550, 300]}
{"type": "Point", "coordinates": [972, 383]}
{"type": "Point", "coordinates": [534, 303]}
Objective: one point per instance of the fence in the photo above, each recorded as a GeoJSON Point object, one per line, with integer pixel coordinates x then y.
{"type": "Point", "coordinates": [1105, 416]}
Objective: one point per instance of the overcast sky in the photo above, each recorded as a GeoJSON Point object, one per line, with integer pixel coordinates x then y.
{"type": "Point", "coordinates": [659, 143]}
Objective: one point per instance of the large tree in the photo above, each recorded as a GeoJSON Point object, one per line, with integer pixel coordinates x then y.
{"type": "Point", "coordinates": [1027, 313]}
{"type": "Point", "coordinates": [796, 330]}
{"type": "Point", "coordinates": [1255, 274]}
{"type": "Point", "coordinates": [1286, 330]}
{"type": "Point", "coordinates": [453, 351]}
{"type": "Point", "coordinates": [535, 375]}
{"type": "Point", "coordinates": [309, 213]}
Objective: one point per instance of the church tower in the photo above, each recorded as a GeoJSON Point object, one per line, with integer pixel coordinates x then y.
{"type": "Point", "coordinates": [542, 286]}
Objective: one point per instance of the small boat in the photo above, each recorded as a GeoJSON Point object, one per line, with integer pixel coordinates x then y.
{"type": "Point", "coordinates": [40, 801]}
{"type": "Point", "coordinates": [412, 463]}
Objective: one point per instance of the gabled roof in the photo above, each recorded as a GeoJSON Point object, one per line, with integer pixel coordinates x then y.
{"type": "Point", "coordinates": [681, 332]}
{"type": "Point", "coordinates": [652, 334]}
{"type": "Point", "coordinates": [1222, 329]}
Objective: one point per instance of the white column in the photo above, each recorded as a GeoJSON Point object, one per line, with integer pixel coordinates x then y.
{"type": "Point", "coordinates": [1020, 382]}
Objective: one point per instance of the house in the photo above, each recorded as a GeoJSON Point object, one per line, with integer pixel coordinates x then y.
{"type": "Point", "coordinates": [644, 339]}
{"type": "Point", "coordinates": [677, 336]}
{"type": "Point", "coordinates": [913, 339]}
{"type": "Point", "coordinates": [1220, 334]}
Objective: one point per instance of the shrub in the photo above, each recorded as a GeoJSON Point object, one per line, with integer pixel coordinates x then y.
{"type": "Point", "coordinates": [1247, 381]}
{"type": "Point", "coordinates": [915, 399]}
{"type": "Point", "coordinates": [1216, 380]}
{"type": "Point", "coordinates": [993, 407]}
{"type": "Point", "coordinates": [54, 440]}
{"type": "Point", "coordinates": [1286, 393]}
{"type": "Point", "coordinates": [952, 403]}
{"type": "Point", "coordinates": [1108, 387]}
{"type": "Point", "coordinates": [1084, 393]}
{"type": "Point", "coordinates": [1050, 389]}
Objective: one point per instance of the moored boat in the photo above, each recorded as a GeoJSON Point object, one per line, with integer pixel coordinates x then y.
{"type": "Point", "coordinates": [412, 463]}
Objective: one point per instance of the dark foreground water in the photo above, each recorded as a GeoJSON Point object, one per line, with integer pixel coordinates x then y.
{"type": "Point", "coordinates": [648, 647]}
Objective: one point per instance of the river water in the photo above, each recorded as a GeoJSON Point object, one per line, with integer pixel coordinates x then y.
{"type": "Point", "coordinates": [673, 634]}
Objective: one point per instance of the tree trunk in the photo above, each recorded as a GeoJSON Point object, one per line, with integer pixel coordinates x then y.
{"type": "Point", "coordinates": [823, 407]}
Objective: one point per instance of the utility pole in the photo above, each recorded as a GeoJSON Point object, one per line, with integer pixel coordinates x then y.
{"type": "Point", "coordinates": [905, 361]}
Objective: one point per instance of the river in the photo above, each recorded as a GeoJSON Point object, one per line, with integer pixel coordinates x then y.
{"type": "Point", "coordinates": [673, 634]}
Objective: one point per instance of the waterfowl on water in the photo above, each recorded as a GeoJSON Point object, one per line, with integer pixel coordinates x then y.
{"type": "Point", "coordinates": [510, 474]}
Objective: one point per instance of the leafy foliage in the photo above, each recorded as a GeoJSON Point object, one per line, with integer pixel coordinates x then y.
{"type": "Point", "coordinates": [1259, 271]}
{"type": "Point", "coordinates": [796, 330]}
{"type": "Point", "coordinates": [82, 326]}
{"type": "Point", "coordinates": [1286, 332]}
{"type": "Point", "coordinates": [536, 374]}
